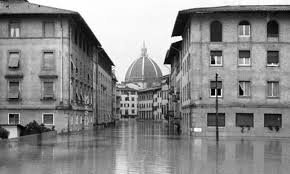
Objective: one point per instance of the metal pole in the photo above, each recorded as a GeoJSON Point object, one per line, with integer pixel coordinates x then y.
{"type": "Point", "coordinates": [216, 107]}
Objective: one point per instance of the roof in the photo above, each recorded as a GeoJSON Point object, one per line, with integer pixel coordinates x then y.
{"type": "Point", "coordinates": [183, 15]}
{"type": "Point", "coordinates": [143, 69]}
{"type": "Point", "coordinates": [126, 88]}
{"type": "Point", "coordinates": [23, 7]}
{"type": "Point", "coordinates": [173, 51]}
{"type": "Point", "coordinates": [150, 89]}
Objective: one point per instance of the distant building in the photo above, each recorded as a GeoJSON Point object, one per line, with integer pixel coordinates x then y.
{"type": "Point", "coordinates": [247, 46]}
{"type": "Point", "coordinates": [143, 72]}
{"type": "Point", "coordinates": [128, 101]}
{"type": "Point", "coordinates": [153, 102]}
{"type": "Point", "coordinates": [49, 67]}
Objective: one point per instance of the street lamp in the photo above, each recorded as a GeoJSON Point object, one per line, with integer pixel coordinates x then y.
{"type": "Point", "coordinates": [216, 106]}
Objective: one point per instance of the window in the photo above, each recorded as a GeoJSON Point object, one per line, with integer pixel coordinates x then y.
{"type": "Point", "coordinates": [245, 120]}
{"type": "Point", "coordinates": [216, 58]}
{"type": "Point", "coordinates": [14, 60]}
{"type": "Point", "coordinates": [133, 105]}
{"type": "Point", "coordinates": [48, 60]}
{"type": "Point", "coordinates": [132, 99]}
{"type": "Point", "coordinates": [13, 118]}
{"type": "Point", "coordinates": [48, 29]}
{"type": "Point", "coordinates": [216, 31]}
{"type": "Point", "coordinates": [14, 27]}
{"type": "Point", "coordinates": [121, 105]}
{"type": "Point", "coordinates": [272, 29]}
{"type": "Point", "coordinates": [272, 58]}
{"type": "Point", "coordinates": [215, 88]}
{"type": "Point", "coordinates": [244, 88]}
{"type": "Point", "coordinates": [273, 120]}
{"type": "Point", "coordinates": [126, 112]}
{"type": "Point", "coordinates": [244, 29]}
{"type": "Point", "coordinates": [244, 58]}
{"type": "Point", "coordinates": [48, 119]}
{"type": "Point", "coordinates": [48, 92]}
{"type": "Point", "coordinates": [126, 98]}
{"type": "Point", "coordinates": [273, 89]}
{"type": "Point", "coordinates": [211, 119]}
{"type": "Point", "coordinates": [13, 92]}
{"type": "Point", "coordinates": [133, 111]}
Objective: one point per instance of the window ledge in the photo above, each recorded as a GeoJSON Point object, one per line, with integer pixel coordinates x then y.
{"type": "Point", "coordinates": [244, 97]}
{"type": "Point", "coordinates": [244, 65]}
{"type": "Point", "coordinates": [14, 100]}
{"type": "Point", "coordinates": [47, 74]}
{"type": "Point", "coordinates": [273, 65]}
{"type": "Point", "coordinates": [272, 97]}
{"type": "Point", "coordinates": [15, 74]}
{"type": "Point", "coordinates": [215, 65]}
{"type": "Point", "coordinates": [45, 99]}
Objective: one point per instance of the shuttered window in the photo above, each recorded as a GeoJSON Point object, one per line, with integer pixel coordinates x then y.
{"type": "Point", "coordinates": [14, 29]}
{"type": "Point", "coordinates": [13, 119]}
{"type": "Point", "coordinates": [216, 31]}
{"type": "Point", "coordinates": [245, 119]}
{"type": "Point", "coordinates": [47, 119]}
{"type": "Point", "coordinates": [244, 58]}
{"type": "Point", "coordinates": [216, 88]}
{"type": "Point", "coordinates": [14, 60]}
{"type": "Point", "coordinates": [272, 58]}
{"type": "Point", "coordinates": [272, 120]}
{"type": "Point", "coordinates": [13, 92]}
{"type": "Point", "coordinates": [272, 29]}
{"type": "Point", "coordinates": [48, 29]}
{"type": "Point", "coordinates": [48, 92]}
{"type": "Point", "coordinates": [48, 60]}
{"type": "Point", "coordinates": [211, 119]}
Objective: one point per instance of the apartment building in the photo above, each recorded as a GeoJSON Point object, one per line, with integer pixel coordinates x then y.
{"type": "Point", "coordinates": [128, 101]}
{"type": "Point", "coordinates": [49, 64]}
{"type": "Point", "coordinates": [247, 47]}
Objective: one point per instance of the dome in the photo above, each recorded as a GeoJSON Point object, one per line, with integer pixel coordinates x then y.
{"type": "Point", "coordinates": [143, 69]}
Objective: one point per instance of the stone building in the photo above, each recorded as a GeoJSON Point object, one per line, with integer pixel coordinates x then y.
{"type": "Point", "coordinates": [143, 72]}
{"type": "Point", "coordinates": [153, 102]}
{"type": "Point", "coordinates": [247, 46]}
{"type": "Point", "coordinates": [128, 101]}
{"type": "Point", "coordinates": [49, 64]}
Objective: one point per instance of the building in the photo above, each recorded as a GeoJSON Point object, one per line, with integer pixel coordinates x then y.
{"type": "Point", "coordinates": [50, 61]}
{"type": "Point", "coordinates": [105, 89]}
{"type": "Point", "coordinates": [128, 101]}
{"type": "Point", "coordinates": [153, 102]}
{"type": "Point", "coordinates": [143, 71]}
{"type": "Point", "coordinates": [247, 46]}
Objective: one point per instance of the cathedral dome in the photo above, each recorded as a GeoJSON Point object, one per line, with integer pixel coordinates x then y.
{"type": "Point", "coordinates": [143, 69]}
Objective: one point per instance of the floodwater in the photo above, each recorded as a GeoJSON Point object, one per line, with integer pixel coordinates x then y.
{"type": "Point", "coordinates": [145, 147]}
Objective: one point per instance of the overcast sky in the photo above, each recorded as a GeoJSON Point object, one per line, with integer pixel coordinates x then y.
{"type": "Point", "coordinates": [122, 25]}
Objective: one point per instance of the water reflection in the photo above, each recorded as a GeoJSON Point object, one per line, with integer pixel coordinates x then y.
{"type": "Point", "coordinates": [144, 147]}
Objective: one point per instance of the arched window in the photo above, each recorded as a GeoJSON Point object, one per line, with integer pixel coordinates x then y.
{"type": "Point", "coordinates": [215, 31]}
{"type": "Point", "coordinates": [244, 29]}
{"type": "Point", "coordinates": [272, 29]}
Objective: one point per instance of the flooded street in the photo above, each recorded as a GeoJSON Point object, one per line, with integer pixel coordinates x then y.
{"type": "Point", "coordinates": [145, 147]}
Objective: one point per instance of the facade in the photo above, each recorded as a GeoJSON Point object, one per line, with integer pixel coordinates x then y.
{"type": "Point", "coordinates": [143, 72]}
{"type": "Point", "coordinates": [128, 101]}
{"type": "Point", "coordinates": [247, 47]}
{"type": "Point", "coordinates": [49, 64]}
{"type": "Point", "coordinates": [153, 102]}
{"type": "Point", "coordinates": [105, 89]}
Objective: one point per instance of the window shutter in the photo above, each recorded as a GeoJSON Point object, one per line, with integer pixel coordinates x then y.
{"type": "Point", "coordinates": [245, 119]}
{"type": "Point", "coordinates": [215, 53]}
{"type": "Point", "coordinates": [48, 90]}
{"type": "Point", "coordinates": [48, 60]}
{"type": "Point", "coordinates": [273, 57]}
{"type": "Point", "coordinates": [48, 119]}
{"type": "Point", "coordinates": [213, 85]}
{"type": "Point", "coordinates": [13, 60]}
{"type": "Point", "coordinates": [244, 54]}
{"type": "Point", "coordinates": [48, 29]}
{"type": "Point", "coordinates": [13, 90]}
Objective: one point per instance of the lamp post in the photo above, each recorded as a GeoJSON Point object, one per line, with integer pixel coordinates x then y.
{"type": "Point", "coordinates": [216, 106]}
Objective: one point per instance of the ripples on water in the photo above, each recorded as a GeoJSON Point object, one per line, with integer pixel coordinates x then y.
{"type": "Point", "coordinates": [145, 147]}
